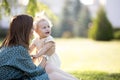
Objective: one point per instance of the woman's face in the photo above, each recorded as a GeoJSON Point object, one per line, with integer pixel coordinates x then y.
{"type": "Point", "coordinates": [43, 29]}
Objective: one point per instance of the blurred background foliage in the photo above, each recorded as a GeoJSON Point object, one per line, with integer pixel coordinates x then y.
{"type": "Point", "coordinates": [75, 20]}
{"type": "Point", "coordinates": [101, 29]}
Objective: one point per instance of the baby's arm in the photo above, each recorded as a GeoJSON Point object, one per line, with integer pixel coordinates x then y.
{"type": "Point", "coordinates": [47, 49]}
{"type": "Point", "coordinates": [51, 51]}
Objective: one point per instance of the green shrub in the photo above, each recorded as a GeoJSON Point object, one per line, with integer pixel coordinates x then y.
{"type": "Point", "coordinates": [117, 35]}
{"type": "Point", "coordinates": [3, 33]}
{"type": "Point", "coordinates": [101, 28]}
{"type": "Point", "coordinates": [116, 29]}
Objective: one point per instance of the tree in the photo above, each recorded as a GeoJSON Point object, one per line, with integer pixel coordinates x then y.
{"type": "Point", "coordinates": [4, 5]}
{"type": "Point", "coordinates": [83, 21]}
{"type": "Point", "coordinates": [76, 18]}
{"type": "Point", "coordinates": [70, 17]}
{"type": "Point", "coordinates": [31, 9]}
{"type": "Point", "coordinates": [101, 28]}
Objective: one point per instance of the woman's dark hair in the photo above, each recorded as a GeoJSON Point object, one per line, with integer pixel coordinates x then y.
{"type": "Point", "coordinates": [19, 31]}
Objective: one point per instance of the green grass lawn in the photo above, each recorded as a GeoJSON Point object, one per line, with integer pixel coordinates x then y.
{"type": "Point", "coordinates": [90, 60]}
{"type": "Point", "coordinates": [96, 75]}
{"type": "Point", "coordinates": [81, 56]}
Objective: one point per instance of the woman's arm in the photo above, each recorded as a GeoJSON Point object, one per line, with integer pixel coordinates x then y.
{"type": "Point", "coordinates": [24, 62]}
{"type": "Point", "coordinates": [31, 48]}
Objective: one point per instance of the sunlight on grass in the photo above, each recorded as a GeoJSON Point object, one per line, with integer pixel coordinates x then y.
{"type": "Point", "coordinates": [84, 54]}
{"type": "Point", "coordinates": [96, 75]}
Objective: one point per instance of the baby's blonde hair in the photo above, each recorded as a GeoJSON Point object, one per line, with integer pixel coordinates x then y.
{"type": "Point", "coordinates": [41, 17]}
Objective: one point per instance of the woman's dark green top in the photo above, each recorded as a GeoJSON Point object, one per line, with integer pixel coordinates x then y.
{"type": "Point", "coordinates": [16, 63]}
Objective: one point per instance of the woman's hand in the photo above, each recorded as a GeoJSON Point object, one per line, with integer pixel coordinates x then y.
{"type": "Point", "coordinates": [43, 62]}
{"type": "Point", "coordinates": [35, 56]}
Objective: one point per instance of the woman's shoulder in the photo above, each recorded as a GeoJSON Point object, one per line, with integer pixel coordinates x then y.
{"type": "Point", "coordinates": [7, 54]}
{"type": "Point", "coordinates": [12, 49]}
{"type": "Point", "coordinates": [17, 48]}
{"type": "Point", "coordinates": [20, 47]}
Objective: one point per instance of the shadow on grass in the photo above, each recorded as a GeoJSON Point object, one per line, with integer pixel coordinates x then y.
{"type": "Point", "coordinates": [95, 75]}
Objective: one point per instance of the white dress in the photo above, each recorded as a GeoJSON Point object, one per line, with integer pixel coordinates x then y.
{"type": "Point", "coordinates": [39, 43]}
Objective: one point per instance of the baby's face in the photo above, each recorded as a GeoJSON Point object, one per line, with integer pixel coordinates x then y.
{"type": "Point", "coordinates": [43, 29]}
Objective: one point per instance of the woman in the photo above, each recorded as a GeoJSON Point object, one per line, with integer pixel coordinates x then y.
{"type": "Point", "coordinates": [15, 61]}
